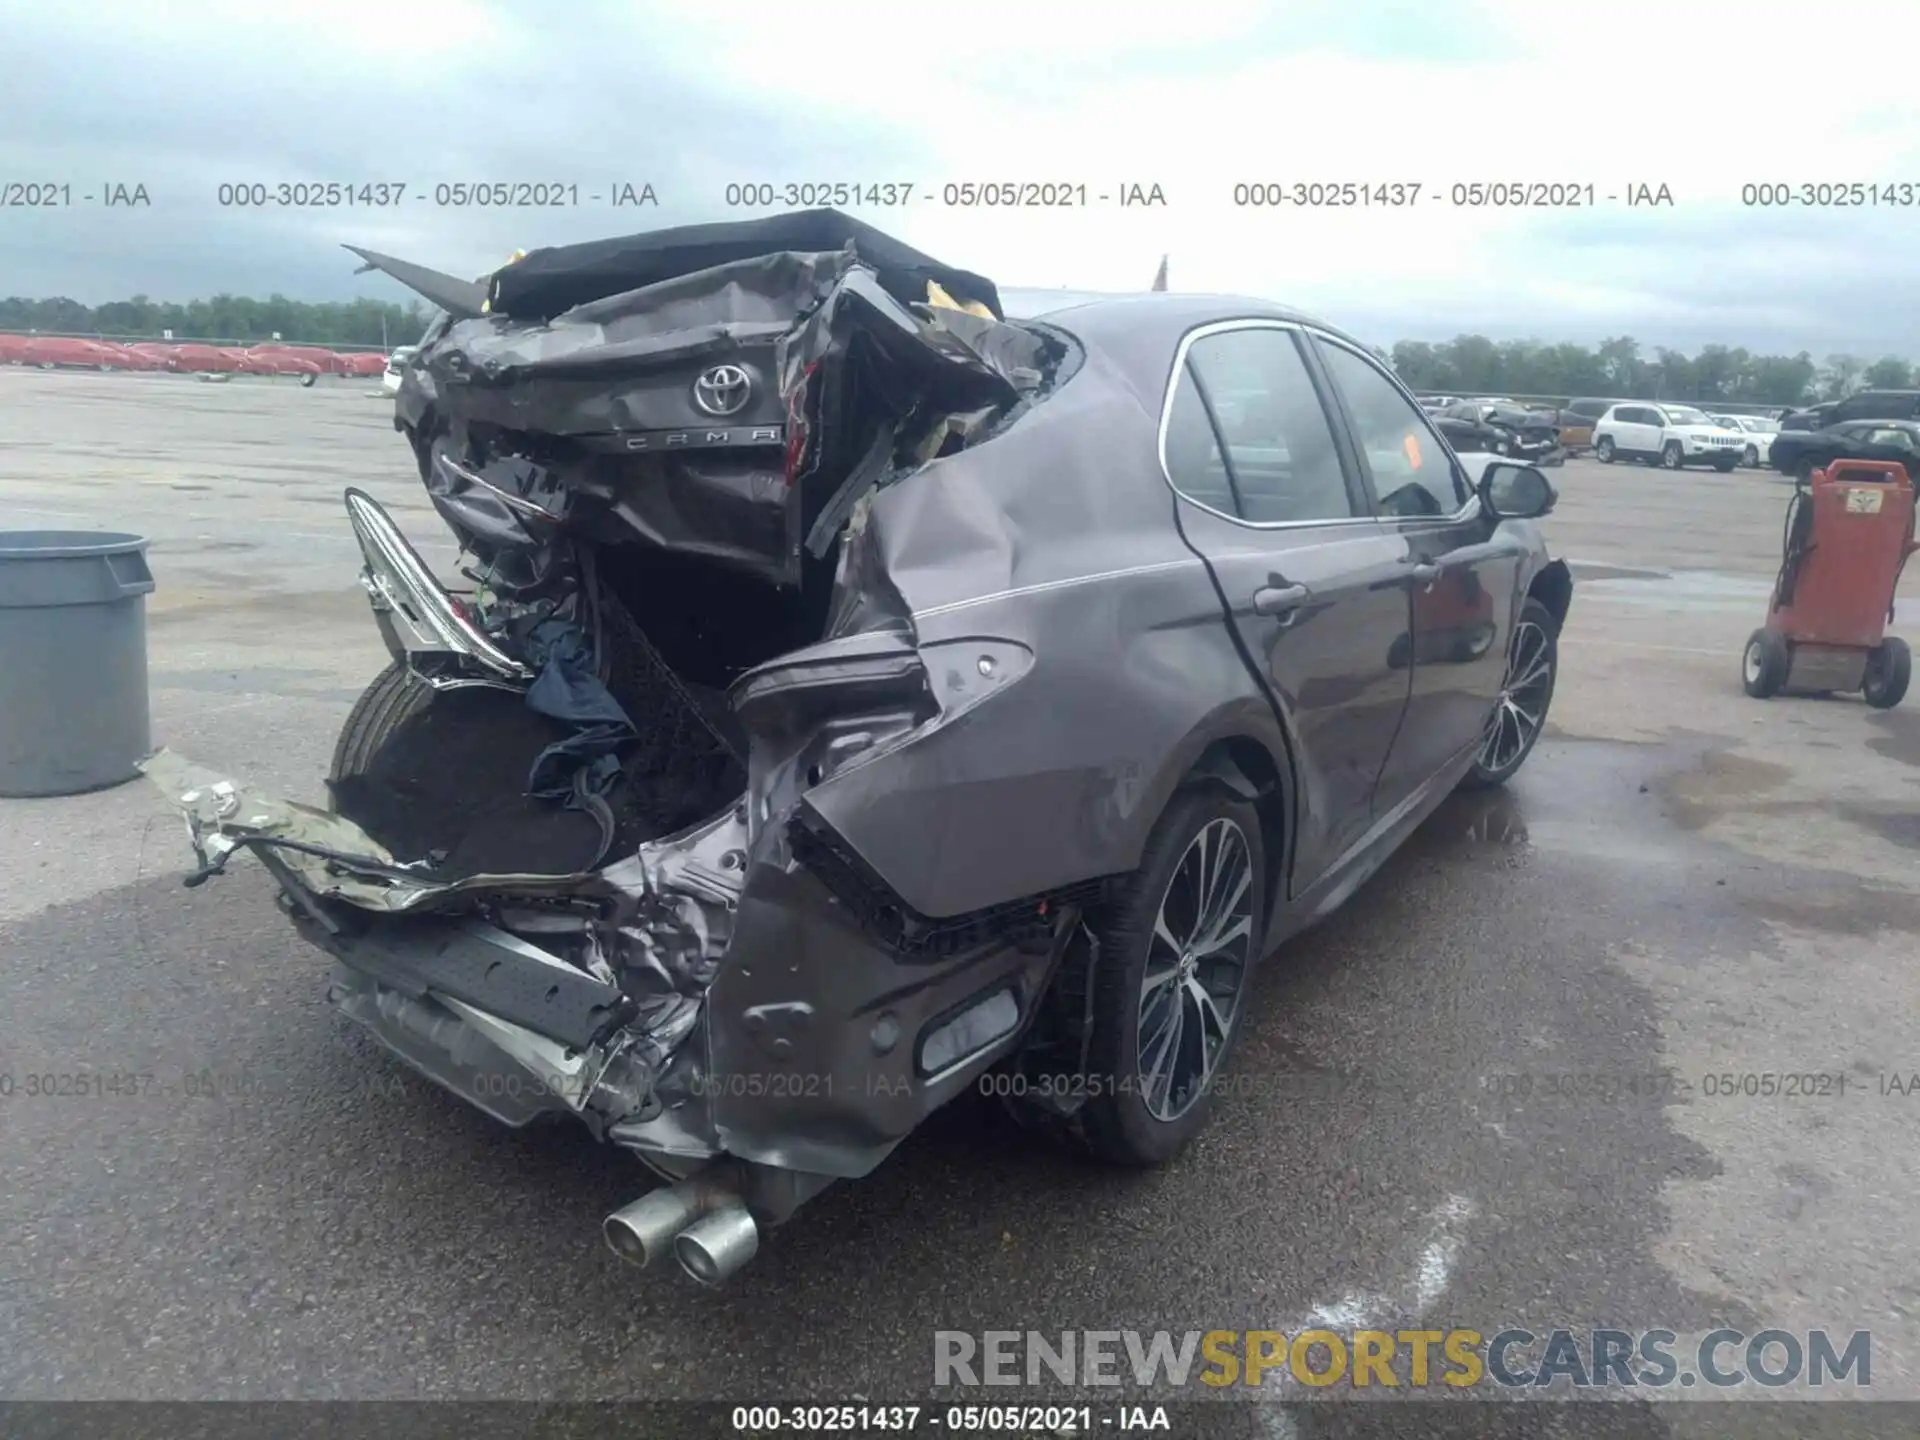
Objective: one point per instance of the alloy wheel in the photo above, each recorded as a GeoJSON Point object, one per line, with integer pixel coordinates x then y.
{"type": "Point", "coordinates": [1197, 964]}
{"type": "Point", "coordinates": [1522, 707]}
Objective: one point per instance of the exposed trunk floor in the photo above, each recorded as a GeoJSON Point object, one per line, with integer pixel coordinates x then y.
{"type": "Point", "coordinates": [450, 785]}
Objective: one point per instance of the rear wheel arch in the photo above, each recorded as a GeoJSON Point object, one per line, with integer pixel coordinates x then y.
{"type": "Point", "coordinates": [1552, 586]}
{"type": "Point", "coordinates": [1248, 769]}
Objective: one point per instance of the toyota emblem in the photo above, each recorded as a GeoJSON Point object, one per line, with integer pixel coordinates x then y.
{"type": "Point", "coordinates": [724, 390]}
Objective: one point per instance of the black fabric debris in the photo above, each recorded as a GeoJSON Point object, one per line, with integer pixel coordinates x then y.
{"type": "Point", "coordinates": [546, 282]}
{"type": "Point", "coordinates": [567, 687]}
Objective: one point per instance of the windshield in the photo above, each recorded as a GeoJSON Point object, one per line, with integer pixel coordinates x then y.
{"type": "Point", "coordinates": [1686, 415]}
{"type": "Point", "coordinates": [1759, 426]}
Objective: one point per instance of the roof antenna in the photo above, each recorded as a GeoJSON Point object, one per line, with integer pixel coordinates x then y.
{"type": "Point", "coordinates": [1160, 276]}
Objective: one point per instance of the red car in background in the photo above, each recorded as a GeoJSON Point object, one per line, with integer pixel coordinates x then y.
{"type": "Point", "coordinates": [13, 349]}
{"type": "Point", "coordinates": [127, 357]}
{"type": "Point", "coordinates": [363, 365]}
{"type": "Point", "coordinates": [52, 351]}
{"type": "Point", "coordinates": [281, 362]}
{"type": "Point", "coordinates": [324, 360]}
{"type": "Point", "coordinates": [206, 360]}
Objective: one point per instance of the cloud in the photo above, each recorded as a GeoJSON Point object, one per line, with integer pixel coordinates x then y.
{"type": "Point", "coordinates": [187, 97]}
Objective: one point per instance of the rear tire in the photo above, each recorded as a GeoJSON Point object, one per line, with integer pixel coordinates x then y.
{"type": "Point", "coordinates": [1889, 668]}
{"type": "Point", "coordinates": [1129, 1119]}
{"type": "Point", "coordinates": [395, 697]}
{"type": "Point", "coordinates": [1750, 457]}
{"type": "Point", "coordinates": [1603, 450]}
{"type": "Point", "coordinates": [1765, 663]}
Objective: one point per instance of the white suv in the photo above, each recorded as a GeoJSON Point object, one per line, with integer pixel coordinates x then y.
{"type": "Point", "coordinates": [1672, 436]}
{"type": "Point", "coordinates": [1759, 432]}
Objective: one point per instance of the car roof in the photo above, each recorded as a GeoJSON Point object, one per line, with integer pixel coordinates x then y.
{"type": "Point", "coordinates": [1139, 333]}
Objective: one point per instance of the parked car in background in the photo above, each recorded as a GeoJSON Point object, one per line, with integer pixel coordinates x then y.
{"type": "Point", "coordinates": [51, 352]}
{"type": "Point", "coordinates": [127, 357]}
{"type": "Point", "coordinates": [1877, 405]}
{"type": "Point", "coordinates": [1800, 452]}
{"type": "Point", "coordinates": [1671, 436]}
{"type": "Point", "coordinates": [1577, 419]}
{"type": "Point", "coordinates": [1501, 427]}
{"type": "Point", "coordinates": [206, 360]}
{"type": "Point", "coordinates": [1759, 432]}
{"type": "Point", "coordinates": [396, 367]}
{"type": "Point", "coordinates": [281, 362]}
{"type": "Point", "coordinates": [851, 797]}
{"type": "Point", "coordinates": [1813, 417]}
{"type": "Point", "coordinates": [324, 361]}
{"type": "Point", "coordinates": [12, 348]}
{"type": "Point", "coordinates": [361, 364]}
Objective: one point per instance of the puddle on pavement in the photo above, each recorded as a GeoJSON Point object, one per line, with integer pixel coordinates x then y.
{"type": "Point", "coordinates": [201, 547]}
{"type": "Point", "coordinates": [1680, 590]}
{"type": "Point", "coordinates": [1895, 826]}
{"type": "Point", "coordinates": [1594, 798]}
{"type": "Point", "coordinates": [1721, 782]}
{"type": "Point", "coordinates": [1901, 740]}
{"type": "Point", "coordinates": [1853, 910]}
{"type": "Point", "coordinates": [1588, 571]}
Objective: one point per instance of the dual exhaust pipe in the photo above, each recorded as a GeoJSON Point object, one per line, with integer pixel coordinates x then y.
{"type": "Point", "coordinates": [701, 1221]}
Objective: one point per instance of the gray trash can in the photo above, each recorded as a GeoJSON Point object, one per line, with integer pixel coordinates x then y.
{"type": "Point", "coordinates": [73, 660]}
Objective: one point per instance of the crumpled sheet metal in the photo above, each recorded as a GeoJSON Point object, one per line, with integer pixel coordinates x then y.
{"type": "Point", "coordinates": [946, 359]}
{"type": "Point", "coordinates": [223, 815]}
{"type": "Point", "coordinates": [599, 373]}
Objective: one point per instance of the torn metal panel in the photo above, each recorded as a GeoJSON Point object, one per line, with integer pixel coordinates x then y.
{"type": "Point", "coordinates": [604, 421]}
{"type": "Point", "coordinates": [331, 855]}
{"type": "Point", "coordinates": [459, 298]}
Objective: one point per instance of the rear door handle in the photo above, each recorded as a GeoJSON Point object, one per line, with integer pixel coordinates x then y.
{"type": "Point", "coordinates": [1278, 599]}
{"type": "Point", "coordinates": [1424, 572]}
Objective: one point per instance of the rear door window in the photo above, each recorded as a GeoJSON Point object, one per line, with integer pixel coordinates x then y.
{"type": "Point", "coordinates": [1247, 435]}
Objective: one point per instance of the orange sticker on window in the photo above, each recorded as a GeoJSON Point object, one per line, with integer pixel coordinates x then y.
{"type": "Point", "coordinates": [1412, 446]}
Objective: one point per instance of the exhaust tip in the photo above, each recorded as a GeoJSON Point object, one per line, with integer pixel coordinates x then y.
{"type": "Point", "coordinates": [626, 1242]}
{"type": "Point", "coordinates": [715, 1248]}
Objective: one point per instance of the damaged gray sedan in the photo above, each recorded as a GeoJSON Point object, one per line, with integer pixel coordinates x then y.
{"type": "Point", "coordinates": [858, 696]}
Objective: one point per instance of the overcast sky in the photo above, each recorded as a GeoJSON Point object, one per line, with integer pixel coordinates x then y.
{"type": "Point", "coordinates": [692, 95]}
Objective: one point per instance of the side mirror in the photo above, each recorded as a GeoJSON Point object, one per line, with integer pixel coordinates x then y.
{"type": "Point", "coordinates": [1516, 492]}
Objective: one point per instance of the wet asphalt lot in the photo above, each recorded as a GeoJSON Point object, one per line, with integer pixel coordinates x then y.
{"type": "Point", "coordinates": [1682, 880]}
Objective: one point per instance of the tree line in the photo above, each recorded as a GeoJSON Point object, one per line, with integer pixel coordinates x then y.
{"type": "Point", "coordinates": [1619, 368]}
{"type": "Point", "coordinates": [373, 324]}
{"type": "Point", "coordinates": [1466, 364]}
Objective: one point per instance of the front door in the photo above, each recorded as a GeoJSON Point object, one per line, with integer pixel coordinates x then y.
{"type": "Point", "coordinates": [1310, 579]}
{"type": "Point", "coordinates": [1461, 573]}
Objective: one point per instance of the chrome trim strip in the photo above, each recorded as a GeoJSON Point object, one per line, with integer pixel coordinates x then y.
{"type": "Point", "coordinates": [515, 503]}
{"type": "Point", "coordinates": [395, 574]}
